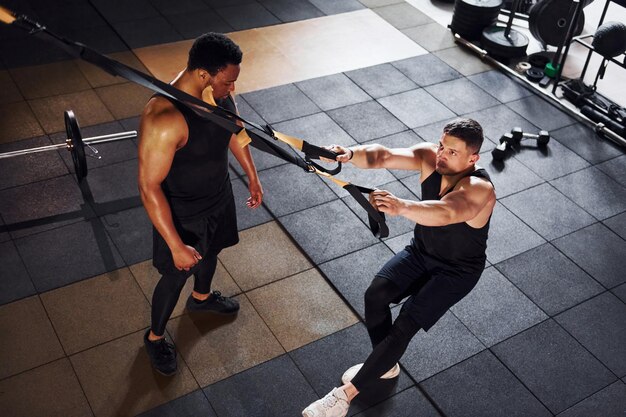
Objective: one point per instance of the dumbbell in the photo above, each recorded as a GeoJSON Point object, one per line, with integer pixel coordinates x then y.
{"type": "Point", "coordinates": [518, 135]}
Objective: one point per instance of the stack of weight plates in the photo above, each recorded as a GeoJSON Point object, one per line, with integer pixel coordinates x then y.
{"type": "Point", "coordinates": [472, 16]}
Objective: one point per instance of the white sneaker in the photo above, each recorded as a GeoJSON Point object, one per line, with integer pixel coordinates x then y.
{"type": "Point", "coordinates": [334, 404]}
{"type": "Point", "coordinates": [351, 372]}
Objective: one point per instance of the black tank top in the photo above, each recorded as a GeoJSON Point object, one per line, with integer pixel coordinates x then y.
{"type": "Point", "coordinates": [456, 244]}
{"type": "Point", "coordinates": [198, 182]}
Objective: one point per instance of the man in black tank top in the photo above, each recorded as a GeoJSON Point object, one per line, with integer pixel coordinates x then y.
{"type": "Point", "coordinates": [442, 263]}
{"type": "Point", "coordinates": [186, 190]}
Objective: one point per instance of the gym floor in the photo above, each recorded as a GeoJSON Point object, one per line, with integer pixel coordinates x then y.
{"type": "Point", "coordinates": [543, 333]}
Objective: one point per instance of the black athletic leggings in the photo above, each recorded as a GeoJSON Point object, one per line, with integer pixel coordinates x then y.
{"type": "Point", "coordinates": [168, 290]}
{"type": "Point", "coordinates": [389, 340]}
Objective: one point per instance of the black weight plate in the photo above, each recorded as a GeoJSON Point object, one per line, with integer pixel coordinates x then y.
{"type": "Point", "coordinates": [476, 14]}
{"type": "Point", "coordinates": [471, 20]}
{"type": "Point", "coordinates": [478, 4]}
{"type": "Point", "coordinates": [548, 21]}
{"type": "Point", "coordinates": [78, 147]}
{"type": "Point", "coordinates": [534, 74]}
{"type": "Point", "coordinates": [495, 43]}
{"type": "Point", "coordinates": [538, 60]}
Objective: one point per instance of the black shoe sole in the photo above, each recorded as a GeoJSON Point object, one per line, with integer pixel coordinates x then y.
{"type": "Point", "coordinates": [217, 313]}
{"type": "Point", "coordinates": [164, 373]}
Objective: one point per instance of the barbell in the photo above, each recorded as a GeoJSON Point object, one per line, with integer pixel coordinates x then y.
{"type": "Point", "coordinates": [75, 144]}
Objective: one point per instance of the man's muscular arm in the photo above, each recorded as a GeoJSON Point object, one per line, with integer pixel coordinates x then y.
{"type": "Point", "coordinates": [378, 156]}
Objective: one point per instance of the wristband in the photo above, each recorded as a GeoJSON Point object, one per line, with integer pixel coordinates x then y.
{"type": "Point", "coordinates": [351, 154]}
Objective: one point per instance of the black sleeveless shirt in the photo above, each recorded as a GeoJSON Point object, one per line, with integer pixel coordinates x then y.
{"type": "Point", "coordinates": [456, 244]}
{"type": "Point", "coordinates": [198, 182]}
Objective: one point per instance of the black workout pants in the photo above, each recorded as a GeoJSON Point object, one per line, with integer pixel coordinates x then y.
{"type": "Point", "coordinates": [170, 285]}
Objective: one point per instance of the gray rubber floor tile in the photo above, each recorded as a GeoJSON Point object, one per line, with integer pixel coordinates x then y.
{"type": "Point", "coordinates": [549, 279]}
{"type": "Point", "coordinates": [553, 365]}
{"type": "Point", "coordinates": [403, 15]}
{"type": "Point", "coordinates": [500, 86]}
{"type": "Point", "coordinates": [330, 7]}
{"type": "Point", "coordinates": [598, 251]}
{"type": "Point", "coordinates": [616, 169]}
{"type": "Point", "coordinates": [426, 70]}
{"type": "Point", "coordinates": [4, 234]}
{"type": "Point", "coordinates": [333, 91]}
{"type": "Point", "coordinates": [462, 96]}
{"type": "Point", "coordinates": [169, 8]}
{"type": "Point", "coordinates": [103, 39]}
{"type": "Point", "coordinates": [381, 80]}
{"type": "Point", "coordinates": [25, 169]}
{"type": "Point", "coordinates": [370, 178]}
{"type": "Point", "coordinates": [412, 182]}
{"type": "Point", "coordinates": [599, 325]}
{"type": "Point", "coordinates": [366, 121]}
{"type": "Point", "coordinates": [68, 254]}
{"type": "Point", "coordinates": [509, 236]}
{"type": "Point", "coordinates": [611, 401]}
{"type": "Point", "coordinates": [15, 282]}
{"type": "Point", "coordinates": [498, 120]}
{"type": "Point", "coordinates": [291, 10]}
{"type": "Point", "coordinates": [404, 139]}
{"type": "Point", "coordinates": [120, 10]}
{"type": "Point", "coordinates": [509, 176]}
{"type": "Point", "coordinates": [353, 273]}
{"type": "Point", "coordinates": [190, 405]}
{"type": "Point", "coordinates": [282, 196]}
{"type": "Point", "coordinates": [247, 112]}
{"type": "Point", "coordinates": [482, 386]}
{"type": "Point", "coordinates": [247, 218]}
{"type": "Point", "coordinates": [131, 231]}
{"type": "Point", "coordinates": [463, 60]}
{"type": "Point", "coordinates": [617, 224]}
{"type": "Point", "coordinates": [398, 243]}
{"type": "Point", "coordinates": [317, 129]}
{"type": "Point", "coordinates": [247, 16]}
{"type": "Point", "coordinates": [193, 24]}
{"type": "Point", "coordinates": [541, 113]}
{"type": "Point", "coordinates": [558, 218]}
{"type": "Point", "coordinates": [496, 310]}
{"type": "Point", "coordinates": [114, 183]}
{"type": "Point", "coordinates": [379, 3]}
{"type": "Point", "coordinates": [551, 162]}
{"type": "Point", "coordinates": [310, 228]}
{"type": "Point", "coordinates": [224, 3]}
{"type": "Point", "coordinates": [586, 143]}
{"type": "Point", "coordinates": [447, 343]}
{"type": "Point", "coordinates": [43, 205]}
{"type": "Point", "coordinates": [416, 108]}
{"type": "Point", "coordinates": [594, 191]}
{"type": "Point", "coordinates": [431, 36]}
{"type": "Point", "coordinates": [262, 160]}
{"type": "Point", "coordinates": [281, 103]}
{"type": "Point", "coordinates": [286, 395]}
{"type": "Point", "coordinates": [620, 291]}
{"type": "Point", "coordinates": [408, 403]}
{"type": "Point", "coordinates": [324, 361]}
{"type": "Point", "coordinates": [397, 225]}
{"type": "Point", "coordinates": [145, 32]}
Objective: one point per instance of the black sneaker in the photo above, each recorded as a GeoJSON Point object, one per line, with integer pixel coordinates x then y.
{"type": "Point", "coordinates": [162, 355]}
{"type": "Point", "coordinates": [216, 303]}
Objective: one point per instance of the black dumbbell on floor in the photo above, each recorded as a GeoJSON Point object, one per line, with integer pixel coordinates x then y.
{"type": "Point", "coordinates": [542, 138]}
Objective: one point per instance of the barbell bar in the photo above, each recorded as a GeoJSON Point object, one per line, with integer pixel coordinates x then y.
{"type": "Point", "coordinates": [75, 144]}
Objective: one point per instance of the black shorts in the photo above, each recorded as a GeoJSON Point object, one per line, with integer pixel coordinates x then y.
{"type": "Point", "coordinates": [210, 233]}
{"type": "Point", "coordinates": [431, 285]}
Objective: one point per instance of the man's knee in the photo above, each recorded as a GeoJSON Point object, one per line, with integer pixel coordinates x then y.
{"type": "Point", "coordinates": [380, 293]}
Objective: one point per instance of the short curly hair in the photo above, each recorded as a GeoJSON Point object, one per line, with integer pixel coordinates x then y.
{"type": "Point", "coordinates": [213, 52]}
{"type": "Point", "coordinates": [468, 130]}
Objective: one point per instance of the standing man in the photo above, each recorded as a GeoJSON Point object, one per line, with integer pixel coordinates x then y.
{"type": "Point", "coordinates": [441, 265]}
{"type": "Point", "coordinates": [185, 188]}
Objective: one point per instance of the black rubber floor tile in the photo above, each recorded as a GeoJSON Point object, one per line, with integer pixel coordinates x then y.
{"type": "Point", "coordinates": [367, 121]}
{"type": "Point", "coordinates": [324, 361]}
{"type": "Point", "coordinates": [131, 231]}
{"type": "Point", "coordinates": [482, 386]}
{"type": "Point", "coordinates": [408, 403]}
{"type": "Point", "coordinates": [594, 191]}
{"type": "Point", "coordinates": [282, 196]}
{"type": "Point", "coordinates": [509, 236]}
{"type": "Point", "coordinates": [496, 310]}
{"type": "Point", "coordinates": [558, 218]}
{"type": "Point", "coordinates": [541, 113]}
{"type": "Point", "coordinates": [381, 80]}
{"type": "Point", "coordinates": [286, 395]}
{"type": "Point", "coordinates": [190, 405]}
{"type": "Point", "coordinates": [4, 233]}
{"type": "Point", "coordinates": [500, 86]}
{"type": "Point", "coordinates": [616, 169]}
{"type": "Point", "coordinates": [247, 218]}
{"type": "Point", "coordinates": [586, 143]}
{"type": "Point", "coordinates": [447, 343]}
{"type": "Point", "coordinates": [598, 251]}
{"type": "Point", "coordinates": [599, 325]}
{"type": "Point", "coordinates": [317, 129]}
{"type": "Point", "coordinates": [426, 70]}
{"type": "Point", "coordinates": [15, 282]}
{"type": "Point", "coordinates": [330, 7]}
{"type": "Point", "coordinates": [145, 32]}
{"type": "Point", "coordinates": [611, 401]}
{"type": "Point", "coordinates": [405, 139]}
{"type": "Point", "coordinates": [550, 162]}
{"type": "Point", "coordinates": [262, 160]}
{"type": "Point", "coordinates": [509, 176]}
{"type": "Point", "coordinates": [103, 39]}
{"type": "Point", "coordinates": [120, 10]}
{"type": "Point", "coordinates": [281, 103]}
{"type": "Point", "coordinates": [398, 243]}
{"type": "Point", "coordinates": [402, 15]}
{"type": "Point", "coordinates": [462, 96]}
{"type": "Point", "coordinates": [549, 279]}
{"type": "Point", "coordinates": [114, 184]}
{"type": "Point", "coordinates": [247, 16]}
{"type": "Point", "coordinates": [25, 169]}
{"type": "Point", "coordinates": [248, 112]}
{"type": "Point", "coordinates": [29, 50]}
{"type": "Point", "coordinates": [498, 120]}
{"type": "Point", "coordinates": [68, 254]}
{"type": "Point", "coordinates": [169, 8]}
{"type": "Point", "coordinates": [292, 10]}
{"type": "Point", "coordinates": [369, 178]}
{"type": "Point", "coordinates": [617, 224]}
{"type": "Point", "coordinates": [553, 366]}
{"type": "Point", "coordinates": [353, 273]}
{"type": "Point", "coordinates": [193, 24]}
{"type": "Point", "coordinates": [620, 291]}
{"type": "Point", "coordinates": [43, 205]}
{"type": "Point", "coordinates": [416, 108]}
{"type": "Point", "coordinates": [310, 229]}
{"type": "Point", "coordinates": [412, 182]}
{"type": "Point", "coordinates": [333, 91]}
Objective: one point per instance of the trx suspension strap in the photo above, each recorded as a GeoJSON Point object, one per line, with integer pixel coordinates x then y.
{"type": "Point", "coordinates": [261, 138]}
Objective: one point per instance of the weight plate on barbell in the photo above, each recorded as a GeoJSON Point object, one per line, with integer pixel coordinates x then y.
{"type": "Point", "coordinates": [496, 43]}
{"type": "Point", "coordinates": [548, 21]}
{"type": "Point", "coordinates": [77, 146]}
